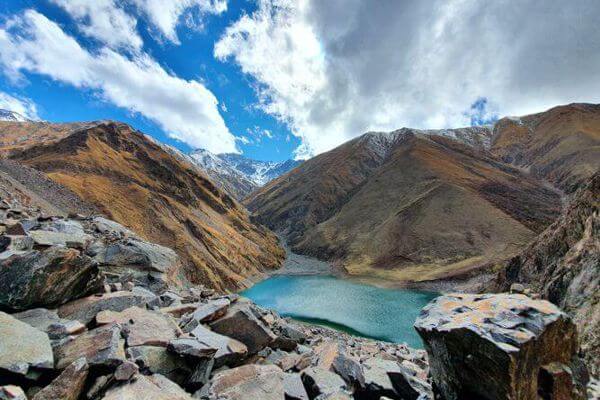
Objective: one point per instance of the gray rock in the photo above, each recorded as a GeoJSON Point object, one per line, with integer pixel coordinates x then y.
{"type": "Point", "coordinates": [85, 310]}
{"type": "Point", "coordinates": [51, 238]}
{"type": "Point", "coordinates": [126, 371]}
{"type": "Point", "coordinates": [206, 312]}
{"type": "Point", "coordinates": [321, 382]}
{"type": "Point", "coordinates": [242, 324]}
{"type": "Point", "coordinates": [408, 386]}
{"type": "Point", "coordinates": [191, 347]}
{"type": "Point", "coordinates": [48, 278]}
{"type": "Point", "coordinates": [517, 288]}
{"type": "Point", "coordinates": [100, 347]}
{"type": "Point", "coordinates": [153, 387]}
{"type": "Point", "coordinates": [24, 350]}
{"type": "Point", "coordinates": [108, 226]}
{"type": "Point", "coordinates": [40, 318]}
{"type": "Point", "coordinates": [495, 346]}
{"type": "Point", "coordinates": [68, 226]}
{"type": "Point", "coordinates": [248, 382]}
{"type": "Point", "coordinates": [229, 351]}
{"type": "Point", "coordinates": [11, 392]}
{"type": "Point", "coordinates": [293, 387]}
{"type": "Point", "coordinates": [68, 385]}
{"type": "Point", "coordinates": [157, 360]}
{"type": "Point", "coordinates": [377, 377]}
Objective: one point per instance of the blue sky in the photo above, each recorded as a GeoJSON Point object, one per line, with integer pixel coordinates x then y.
{"type": "Point", "coordinates": [277, 79]}
{"type": "Point", "coordinates": [192, 59]}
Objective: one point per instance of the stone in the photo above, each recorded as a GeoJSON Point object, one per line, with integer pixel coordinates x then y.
{"type": "Point", "coordinates": [24, 350]}
{"type": "Point", "coordinates": [284, 360]}
{"type": "Point", "coordinates": [321, 382]}
{"type": "Point", "coordinates": [139, 255]}
{"type": "Point", "coordinates": [108, 226]}
{"type": "Point", "coordinates": [494, 346]}
{"type": "Point", "coordinates": [556, 382]}
{"type": "Point", "coordinates": [157, 360]}
{"type": "Point", "coordinates": [84, 310]}
{"type": "Point", "coordinates": [517, 288]}
{"type": "Point", "coordinates": [11, 392]}
{"type": "Point", "coordinates": [46, 278]}
{"type": "Point", "coordinates": [207, 312]}
{"type": "Point", "coordinates": [179, 310]}
{"type": "Point", "coordinates": [40, 318]}
{"type": "Point", "coordinates": [377, 382]}
{"type": "Point", "coordinates": [100, 347]}
{"type": "Point", "coordinates": [147, 388]}
{"type": "Point", "coordinates": [68, 226]}
{"type": "Point", "coordinates": [408, 386]}
{"type": "Point", "coordinates": [141, 327]}
{"type": "Point", "coordinates": [15, 229]}
{"type": "Point", "coordinates": [100, 385]}
{"type": "Point", "coordinates": [242, 324]}
{"type": "Point", "coordinates": [68, 385]}
{"type": "Point", "coordinates": [229, 351]}
{"type": "Point", "coordinates": [293, 387]}
{"type": "Point", "coordinates": [51, 238]}
{"type": "Point", "coordinates": [126, 371]}
{"type": "Point", "coordinates": [248, 382]}
{"type": "Point", "coordinates": [64, 328]}
{"type": "Point", "coordinates": [191, 348]}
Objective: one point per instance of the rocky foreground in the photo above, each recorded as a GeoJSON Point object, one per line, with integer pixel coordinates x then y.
{"type": "Point", "coordinates": [90, 312]}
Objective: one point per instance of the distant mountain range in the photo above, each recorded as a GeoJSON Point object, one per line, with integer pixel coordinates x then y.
{"type": "Point", "coordinates": [12, 116]}
{"type": "Point", "coordinates": [237, 174]}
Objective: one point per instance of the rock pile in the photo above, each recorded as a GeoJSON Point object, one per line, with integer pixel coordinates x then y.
{"type": "Point", "coordinates": [504, 346]}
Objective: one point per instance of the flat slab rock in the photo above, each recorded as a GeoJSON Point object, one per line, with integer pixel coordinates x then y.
{"type": "Point", "coordinates": [141, 327]}
{"type": "Point", "coordinates": [84, 310]}
{"type": "Point", "coordinates": [494, 345]}
{"type": "Point", "coordinates": [68, 385]}
{"type": "Point", "coordinates": [100, 347]}
{"type": "Point", "coordinates": [154, 387]}
{"type": "Point", "coordinates": [228, 350]}
{"type": "Point", "coordinates": [23, 349]}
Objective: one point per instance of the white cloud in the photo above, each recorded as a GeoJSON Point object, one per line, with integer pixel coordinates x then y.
{"type": "Point", "coordinates": [333, 70]}
{"type": "Point", "coordinates": [21, 105]}
{"type": "Point", "coordinates": [166, 14]}
{"type": "Point", "coordinates": [109, 22]}
{"type": "Point", "coordinates": [105, 21]}
{"type": "Point", "coordinates": [185, 109]}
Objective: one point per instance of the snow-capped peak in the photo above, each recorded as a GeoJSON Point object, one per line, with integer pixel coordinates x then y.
{"type": "Point", "coordinates": [12, 116]}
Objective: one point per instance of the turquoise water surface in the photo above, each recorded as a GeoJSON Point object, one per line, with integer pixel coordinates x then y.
{"type": "Point", "coordinates": [359, 309]}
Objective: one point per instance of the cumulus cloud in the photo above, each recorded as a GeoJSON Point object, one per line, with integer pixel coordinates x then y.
{"type": "Point", "coordinates": [333, 70]}
{"type": "Point", "coordinates": [108, 22]}
{"type": "Point", "coordinates": [21, 105]}
{"type": "Point", "coordinates": [185, 109]}
{"type": "Point", "coordinates": [105, 21]}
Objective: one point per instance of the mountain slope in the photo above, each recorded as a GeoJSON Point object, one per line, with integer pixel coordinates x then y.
{"type": "Point", "coordinates": [561, 145]}
{"type": "Point", "coordinates": [409, 205]}
{"type": "Point", "coordinates": [225, 175]}
{"type": "Point", "coordinates": [563, 264]}
{"type": "Point", "coordinates": [12, 116]}
{"type": "Point", "coordinates": [163, 198]}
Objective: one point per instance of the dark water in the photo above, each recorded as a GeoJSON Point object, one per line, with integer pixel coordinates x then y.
{"type": "Point", "coordinates": [358, 309]}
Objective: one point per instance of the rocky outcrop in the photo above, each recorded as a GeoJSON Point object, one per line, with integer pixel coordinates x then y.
{"type": "Point", "coordinates": [504, 346]}
{"type": "Point", "coordinates": [159, 195]}
{"type": "Point", "coordinates": [562, 265]}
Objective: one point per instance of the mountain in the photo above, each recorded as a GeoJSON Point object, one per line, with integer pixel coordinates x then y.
{"type": "Point", "coordinates": [7, 115]}
{"type": "Point", "coordinates": [561, 145]}
{"type": "Point", "coordinates": [408, 205]}
{"type": "Point", "coordinates": [239, 175]}
{"type": "Point", "coordinates": [154, 192]}
{"type": "Point", "coordinates": [563, 265]}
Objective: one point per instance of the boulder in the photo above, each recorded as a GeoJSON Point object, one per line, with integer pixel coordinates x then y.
{"type": "Point", "coordinates": [157, 360]}
{"type": "Point", "coordinates": [242, 324]}
{"type": "Point", "coordinates": [51, 238]}
{"type": "Point", "coordinates": [126, 371]}
{"type": "Point", "coordinates": [294, 388]}
{"type": "Point", "coordinates": [248, 382]}
{"type": "Point", "coordinates": [49, 322]}
{"type": "Point", "coordinates": [85, 310]}
{"type": "Point", "coordinates": [101, 347]}
{"type": "Point", "coordinates": [138, 255]}
{"type": "Point", "coordinates": [141, 327]}
{"type": "Point", "coordinates": [321, 382]}
{"type": "Point", "coordinates": [229, 351]}
{"type": "Point", "coordinates": [377, 381]}
{"type": "Point", "coordinates": [191, 348]}
{"type": "Point", "coordinates": [206, 312]}
{"type": "Point", "coordinates": [495, 346]}
{"type": "Point", "coordinates": [153, 387]}
{"type": "Point", "coordinates": [46, 278]}
{"type": "Point", "coordinates": [24, 350]}
{"type": "Point", "coordinates": [68, 385]}
{"type": "Point", "coordinates": [11, 392]}
{"type": "Point", "coordinates": [110, 227]}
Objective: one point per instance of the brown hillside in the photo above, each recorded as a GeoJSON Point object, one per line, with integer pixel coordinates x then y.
{"type": "Point", "coordinates": [136, 182]}
{"type": "Point", "coordinates": [561, 145]}
{"type": "Point", "coordinates": [406, 206]}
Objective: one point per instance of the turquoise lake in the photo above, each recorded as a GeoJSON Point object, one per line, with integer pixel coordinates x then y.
{"type": "Point", "coordinates": [358, 309]}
